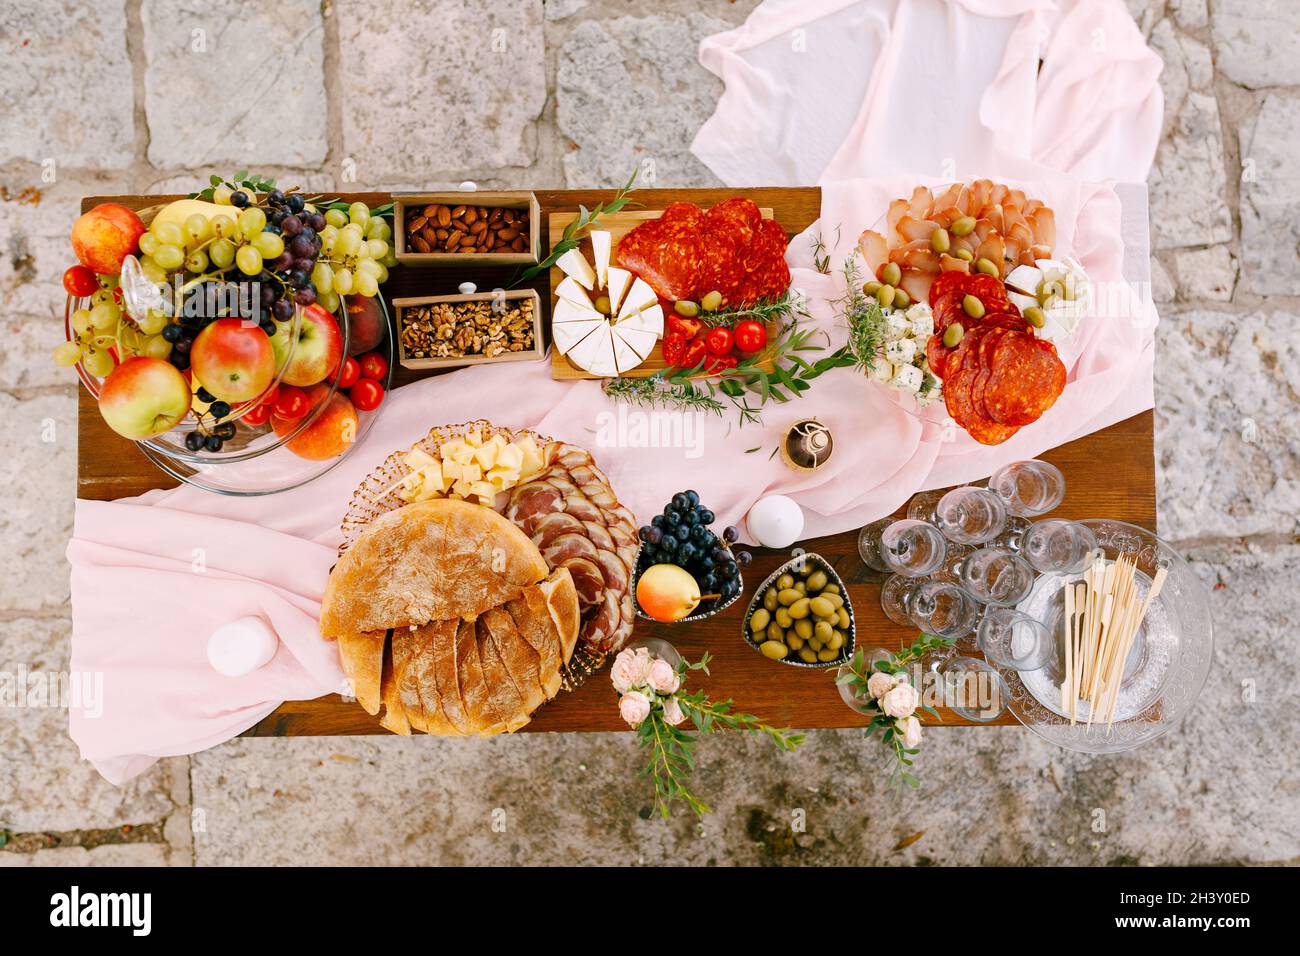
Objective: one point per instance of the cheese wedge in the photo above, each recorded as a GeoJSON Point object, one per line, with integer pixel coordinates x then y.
{"type": "Point", "coordinates": [569, 291]}
{"type": "Point", "coordinates": [625, 358]}
{"type": "Point", "coordinates": [640, 341]}
{"type": "Point", "coordinates": [595, 353]}
{"type": "Point", "coordinates": [616, 286]}
{"type": "Point", "coordinates": [575, 265]}
{"type": "Point", "coordinates": [600, 252]}
{"type": "Point", "coordinates": [651, 320]}
{"type": "Point", "coordinates": [568, 334]}
{"type": "Point", "coordinates": [566, 311]}
{"type": "Point", "coordinates": [639, 298]}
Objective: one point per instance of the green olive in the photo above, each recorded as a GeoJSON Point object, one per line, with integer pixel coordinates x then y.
{"type": "Point", "coordinates": [843, 619]}
{"type": "Point", "coordinates": [793, 640]}
{"type": "Point", "coordinates": [808, 656]}
{"type": "Point", "coordinates": [972, 306]}
{"type": "Point", "coordinates": [965, 255]}
{"type": "Point", "coordinates": [952, 335]}
{"type": "Point", "coordinates": [836, 601]}
{"type": "Point", "coordinates": [774, 649]}
{"type": "Point", "coordinates": [817, 580]}
{"type": "Point", "coordinates": [871, 288]}
{"type": "Point", "coordinates": [602, 305]}
{"type": "Point", "coordinates": [785, 581]}
{"type": "Point", "coordinates": [788, 596]}
{"type": "Point", "coordinates": [831, 589]}
{"type": "Point", "coordinates": [759, 620]}
{"type": "Point", "coordinates": [988, 267]}
{"type": "Point", "coordinates": [1048, 291]}
{"type": "Point", "coordinates": [815, 644]}
{"type": "Point", "coordinates": [805, 568]}
{"type": "Point", "coordinates": [1035, 317]}
{"type": "Point", "coordinates": [801, 587]}
{"type": "Point", "coordinates": [963, 226]}
{"type": "Point", "coordinates": [783, 617]}
{"type": "Point", "coordinates": [823, 631]}
{"type": "Point", "coordinates": [885, 296]}
{"type": "Point", "coordinates": [686, 308]}
{"type": "Point", "coordinates": [827, 655]}
{"type": "Point", "coordinates": [775, 632]}
{"type": "Point", "coordinates": [712, 301]}
{"type": "Point", "coordinates": [804, 628]}
{"type": "Point", "coordinates": [940, 241]}
{"type": "Point", "coordinates": [769, 600]}
{"type": "Point", "coordinates": [891, 274]}
{"type": "Point", "coordinates": [799, 608]}
{"type": "Point", "coordinates": [837, 641]}
{"type": "Point", "coordinates": [821, 607]}
{"type": "Point", "coordinates": [901, 299]}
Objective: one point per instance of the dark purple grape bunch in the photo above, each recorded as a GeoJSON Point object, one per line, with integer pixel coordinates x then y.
{"type": "Point", "coordinates": [300, 231]}
{"type": "Point", "coordinates": [681, 536]}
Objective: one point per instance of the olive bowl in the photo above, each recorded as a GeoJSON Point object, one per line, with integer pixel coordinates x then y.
{"type": "Point", "coordinates": [793, 566]}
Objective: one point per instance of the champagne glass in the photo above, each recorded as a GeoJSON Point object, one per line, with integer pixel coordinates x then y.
{"type": "Point", "coordinates": [907, 546]}
{"type": "Point", "coordinates": [937, 607]}
{"type": "Point", "coordinates": [922, 505]}
{"type": "Point", "coordinates": [997, 577]}
{"type": "Point", "coordinates": [973, 689]}
{"type": "Point", "coordinates": [1014, 639]}
{"type": "Point", "coordinates": [1058, 546]}
{"type": "Point", "coordinates": [1012, 537]}
{"type": "Point", "coordinates": [970, 515]}
{"type": "Point", "coordinates": [1029, 488]}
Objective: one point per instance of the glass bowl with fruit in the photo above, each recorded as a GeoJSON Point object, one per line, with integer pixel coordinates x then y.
{"type": "Point", "coordinates": [216, 329]}
{"type": "Point", "coordinates": [685, 571]}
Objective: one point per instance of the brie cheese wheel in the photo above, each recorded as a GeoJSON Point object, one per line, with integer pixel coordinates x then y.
{"type": "Point", "coordinates": [640, 341]}
{"type": "Point", "coordinates": [568, 334]}
{"type": "Point", "coordinates": [566, 311]}
{"type": "Point", "coordinates": [650, 320]}
{"type": "Point", "coordinates": [600, 252]}
{"type": "Point", "coordinates": [625, 357]}
{"type": "Point", "coordinates": [574, 265]}
{"type": "Point", "coordinates": [569, 291]}
{"type": "Point", "coordinates": [1027, 278]}
{"type": "Point", "coordinates": [639, 298]}
{"type": "Point", "coordinates": [595, 353]}
{"type": "Point", "coordinates": [616, 286]}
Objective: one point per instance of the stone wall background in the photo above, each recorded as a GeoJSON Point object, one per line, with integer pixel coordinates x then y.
{"type": "Point", "coordinates": [152, 95]}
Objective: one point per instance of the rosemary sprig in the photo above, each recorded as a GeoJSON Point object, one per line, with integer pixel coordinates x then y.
{"type": "Point", "coordinates": [863, 315]}
{"type": "Point", "coordinates": [821, 255]}
{"type": "Point", "coordinates": [654, 392]}
{"type": "Point", "coordinates": [787, 308]}
{"type": "Point", "coordinates": [572, 234]}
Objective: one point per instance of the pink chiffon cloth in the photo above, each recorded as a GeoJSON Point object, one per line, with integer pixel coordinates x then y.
{"type": "Point", "coordinates": [153, 577]}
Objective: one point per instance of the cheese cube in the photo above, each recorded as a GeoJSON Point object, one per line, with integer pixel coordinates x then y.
{"type": "Point", "coordinates": [896, 324]}
{"type": "Point", "coordinates": [907, 378]}
{"type": "Point", "coordinates": [511, 456]}
{"type": "Point", "coordinates": [417, 458]}
{"type": "Point", "coordinates": [474, 438]}
{"type": "Point", "coordinates": [882, 370]}
{"type": "Point", "coordinates": [455, 449]}
{"type": "Point", "coordinates": [486, 456]}
{"type": "Point", "coordinates": [484, 490]}
{"type": "Point", "coordinates": [532, 462]}
{"type": "Point", "coordinates": [452, 470]}
{"type": "Point", "coordinates": [503, 478]}
{"type": "Point", "coordinates": [922, 320]}
{"type": "Point", "coordinates": [901, 351]}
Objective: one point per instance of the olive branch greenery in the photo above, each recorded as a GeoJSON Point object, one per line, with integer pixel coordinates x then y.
{"type": "Point", "coordinates": [672, 750]}
{"type": "Point", "coordinates": [255, 183]}
{"type": "Point", "coordinates": [572, 235]}
{"type": "Point", "coordinates": [856, 676]}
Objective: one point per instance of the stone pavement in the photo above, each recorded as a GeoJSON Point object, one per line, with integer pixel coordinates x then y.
{"type": "Point", "coordinates": [152, 95]}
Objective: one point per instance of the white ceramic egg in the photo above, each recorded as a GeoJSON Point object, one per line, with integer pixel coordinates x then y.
{"type": "Point", "coordinates": [775, 521]}
{"type": "Point", "coordinates": [242, 646]}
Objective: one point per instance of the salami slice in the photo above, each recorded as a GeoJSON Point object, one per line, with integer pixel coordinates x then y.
{"type": "Point", "coordinates": [667, 252]}
{"type": "Point", "coordinates": [937, 355]}
{"type": "Point", "coordinates": [947, 309]}
{"type": "Point", "coordinates": [946, 283]}
{"type": "Point", "coordinates": [1026, 379]}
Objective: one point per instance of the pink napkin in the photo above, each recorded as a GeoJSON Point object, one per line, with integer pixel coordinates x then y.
{"type": "Point", "coordinates": [153, 577]}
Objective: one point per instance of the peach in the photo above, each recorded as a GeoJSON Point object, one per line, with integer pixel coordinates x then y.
{"type": "Point", "coordinates": [667, 593]}
{"type": "Point", "coordinates": [105, 236]}
{"type": "Point", "coordinates": [366, 325]}
{"type": "Point", "coordinates": [329, 434]}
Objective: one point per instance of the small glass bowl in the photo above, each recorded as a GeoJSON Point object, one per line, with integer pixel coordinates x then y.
{"type": "Point", "coordinates": [700, 615]}
{"type": "Point", "coordinates": [791, 566]}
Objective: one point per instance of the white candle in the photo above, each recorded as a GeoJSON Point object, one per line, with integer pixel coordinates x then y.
{"type": "Point", "coordinates": [241, 646]}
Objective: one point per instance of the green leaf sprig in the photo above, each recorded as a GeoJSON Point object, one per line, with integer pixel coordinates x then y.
{"type": "Point", "coordinates": [573, 232]}
{"type": "Point", "coordinates": [863, 316]}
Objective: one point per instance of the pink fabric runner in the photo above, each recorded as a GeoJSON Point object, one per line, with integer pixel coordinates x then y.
{"type": "Point", "coordinates": [152, 577]}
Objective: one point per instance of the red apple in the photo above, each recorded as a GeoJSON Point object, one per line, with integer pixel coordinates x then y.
{"type": "Point", "coordinates": [144, 397]}
{"type": "Point", "coordinates": [329, 434]}
{"type": "Point", "coordinates": [366, 325]}
{"type": "Point", "coordinates": [319, 349]}
{"type": "Point", "coordinates": [105, 236]}
{"type": "Point", "coordinates": [233, 360]}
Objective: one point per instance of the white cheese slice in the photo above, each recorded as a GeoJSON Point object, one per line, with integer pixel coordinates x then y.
{"type": "Point", "coordinates": [625, 357]}
{"type": "Point", "coordinates": [569, 334]}
{"type": "Point", "coordinates": [566, 311]}
{"type": "Point", "coordinates": [616, 285]}
{"type": "Point", "coordinates": [570, 291]}
{"type": "Point", "coordinates": [595, 353]}
{"type": "Point", "coordinates": [650, 320]}
{"type": "Point", "coordinates": [600, 252]}
{"type": "Point", "coordinates": [573, 264]}
{"type": "Point", "coordinates": [639, 298]}
{"type": "Point", "coordinates": [640, 341]}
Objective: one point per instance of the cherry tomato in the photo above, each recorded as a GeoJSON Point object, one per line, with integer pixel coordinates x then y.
{"type": "Point", "coordinates": [749, 336]}
{"type": "Point", "coordinates": [689, 328]}
{"type": "Point", "coordinates": [79, 280]}
{"type": "Point", "coordinates": [257, 415]}
{"type": "Point", "coordinates": [696, 352]}
{"type": "Point", "coordinates": [373, 366]}
{"type": "Point", "coordinates": [721, 363]}
{"type": "Point", "coordinates": [271, 395]}
{"type": "Point", "coordinates": [351, 372]}
{"type": "Point", "coordinates": [367, 394]}
{"type": "Point", "coordinates": [718, 341]}
{"type": "Point", "coordinates": [674, 348]}
{"type": "Point", "coordinates": [291, 404]}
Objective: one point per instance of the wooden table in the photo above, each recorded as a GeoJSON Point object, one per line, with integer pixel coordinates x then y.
{"type": "Point", "coordinates": [109, 467]}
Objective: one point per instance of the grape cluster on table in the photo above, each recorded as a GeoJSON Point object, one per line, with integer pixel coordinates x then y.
{"type": "Point", "coordinates": [681, 536]}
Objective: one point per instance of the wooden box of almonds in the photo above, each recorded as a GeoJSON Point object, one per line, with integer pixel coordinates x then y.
{"type": "Point", "coordinates": [455, 228]}
{"type": "Point", "coordinates": [447, 331]}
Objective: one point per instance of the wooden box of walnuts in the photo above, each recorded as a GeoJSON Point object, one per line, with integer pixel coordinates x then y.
{"type": "Point", "coordinates": [455, 228]}
{"type": "Point", "coordinates": [447, 331]}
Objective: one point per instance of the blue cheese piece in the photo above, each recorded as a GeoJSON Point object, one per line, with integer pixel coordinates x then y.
{"type": "Point", "coordinates": [901, 351]}
{"type": "Point", "coordinates": [896, 324]}
{"type": "Point", "coordinates": [882, 370]}
{"type": "Point", "coordinates": [907, 378]}
{"type": "Point", "coordinates": [922, 319]}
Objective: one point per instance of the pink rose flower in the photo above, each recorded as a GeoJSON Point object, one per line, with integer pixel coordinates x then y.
{"type": "Point", "coordinates": [673, 711]}
{"type": "Point", "coordinates": [910, 728]}
{"type": "Point", "coordinates": [634, 707]}
{"type": "Point", "coordinates": [879, 684]}
{"type": "Point", "coordinates": [662, 677]}
{"type": "Point", "coordinates": [900, 701]}
{"type": "Point", "coordinates": [630, 669]}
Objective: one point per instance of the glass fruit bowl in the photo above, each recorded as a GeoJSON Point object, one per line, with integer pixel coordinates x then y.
{"type": "Point", "coordinates": [1166, 667]}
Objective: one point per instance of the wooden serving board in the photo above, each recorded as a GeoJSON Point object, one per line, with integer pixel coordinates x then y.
{"type": "Point", "coordinates": [1110, 473]}
{"type": "Point", "coordinates": [618, 225]}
